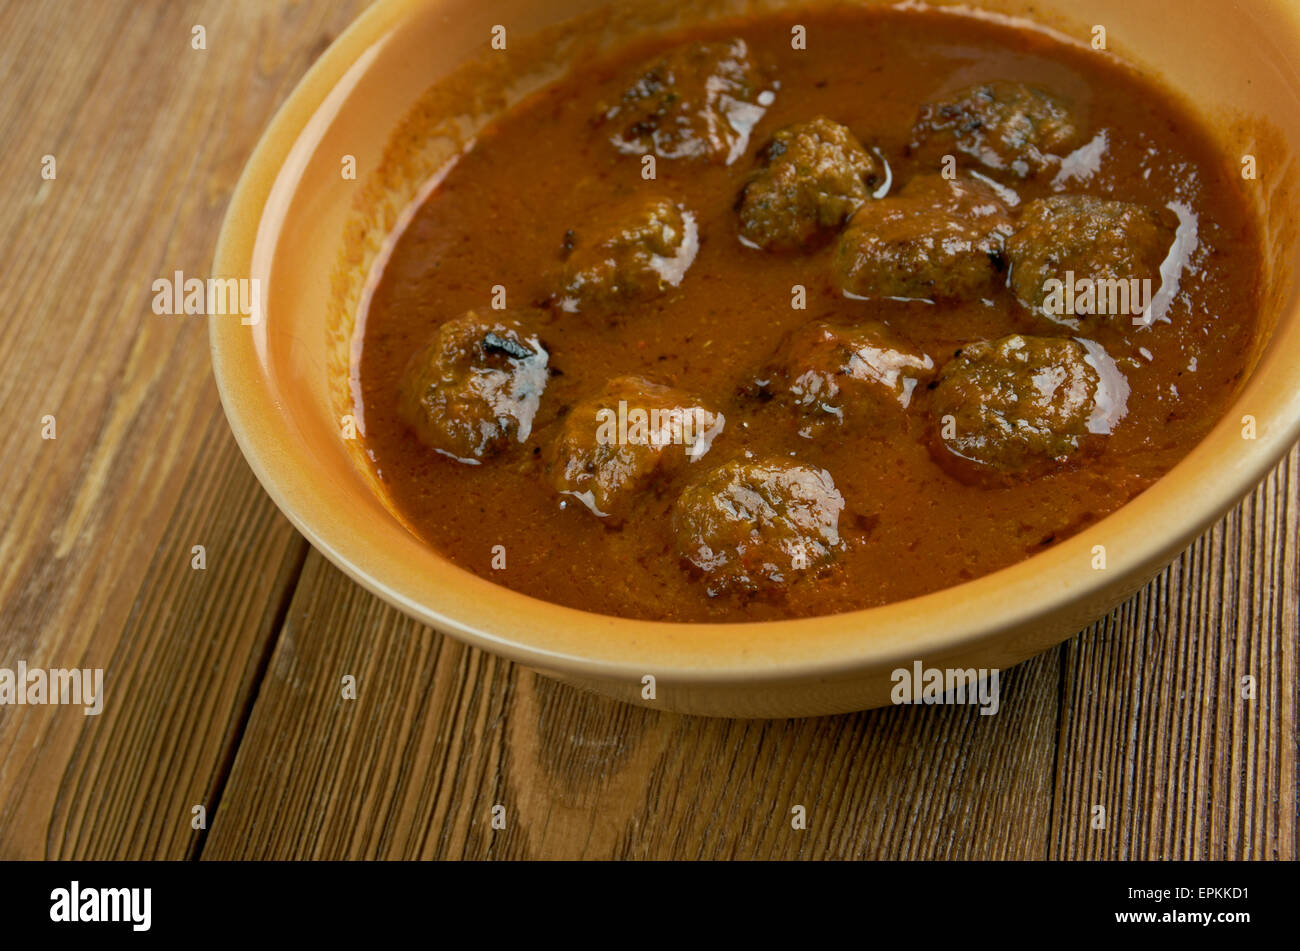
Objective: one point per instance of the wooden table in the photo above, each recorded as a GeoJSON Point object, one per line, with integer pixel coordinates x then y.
{"type": "Point", "coordinates": [222, 684]}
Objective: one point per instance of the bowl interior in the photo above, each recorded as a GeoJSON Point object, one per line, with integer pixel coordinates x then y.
{"type": "Point", "coordinates": [409, 84]}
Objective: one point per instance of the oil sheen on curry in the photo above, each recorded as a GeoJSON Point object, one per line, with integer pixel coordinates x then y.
{"type": "Point", "coordinates": [719, 329]}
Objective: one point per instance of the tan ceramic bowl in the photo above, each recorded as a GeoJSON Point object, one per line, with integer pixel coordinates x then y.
{"type": "Point", "coordinates": [391, 93]}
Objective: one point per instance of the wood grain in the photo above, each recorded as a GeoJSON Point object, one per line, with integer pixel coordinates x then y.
{"type": "Point", "coordinates": [440, 733]}
{"type": "Point", "coordinates": [1141, 714]}
{"type": "Point", "coordinates": [224, 686]}
{"type": "Point", "coordinates": [148, 136]}
{"type": "Point", "coordinates": [1156, 727]}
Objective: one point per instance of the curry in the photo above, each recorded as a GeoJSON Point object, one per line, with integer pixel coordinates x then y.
{"type": "Point", "coordinates": [733, 326]}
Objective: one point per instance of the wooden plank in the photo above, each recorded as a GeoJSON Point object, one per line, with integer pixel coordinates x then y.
{"type": "Point", "coordinates": [179, 678]}
{"type": "Point", "coordinates": [440, 733]}
{"type": "Point", "coordinates": [148, 136]}
{"type": "Point", "coordinates": [1156, 727]}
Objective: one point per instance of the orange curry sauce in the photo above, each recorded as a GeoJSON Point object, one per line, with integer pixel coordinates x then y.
{"type": "Point", "coordinates": [500, 215]}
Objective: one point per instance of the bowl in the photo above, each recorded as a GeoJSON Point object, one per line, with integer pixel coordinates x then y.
{"type": "Point", "coordinates": [409, 83]}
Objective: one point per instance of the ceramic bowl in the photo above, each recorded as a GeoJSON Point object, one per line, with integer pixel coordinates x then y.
{"type": "Point", "coordinates": [391, 96]}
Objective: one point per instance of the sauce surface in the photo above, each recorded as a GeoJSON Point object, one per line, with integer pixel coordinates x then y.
{"type": "Point", "coordinates": [505, 215]}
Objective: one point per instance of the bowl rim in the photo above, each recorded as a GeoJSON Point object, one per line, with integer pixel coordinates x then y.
{"type": "Point", "coordinates": [1016, 597]}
